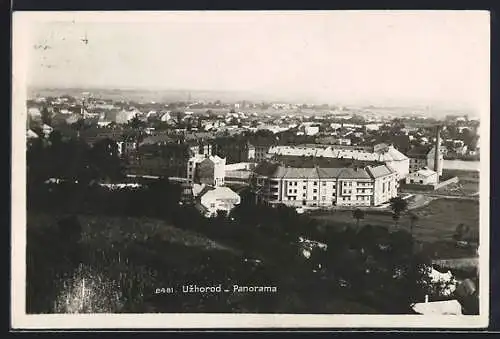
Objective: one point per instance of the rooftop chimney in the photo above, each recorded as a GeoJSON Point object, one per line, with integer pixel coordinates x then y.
{"type": "Point", "coordinates": [437, 149]}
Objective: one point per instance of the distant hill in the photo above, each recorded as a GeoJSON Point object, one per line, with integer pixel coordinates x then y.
{"type": "Point", "coordinates": [145, 95]}
{"type": "Point", "coordinates": [155, 95]}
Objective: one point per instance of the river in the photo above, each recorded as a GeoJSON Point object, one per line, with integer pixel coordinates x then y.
{"type": "Point", "coordinates": [462, 165]}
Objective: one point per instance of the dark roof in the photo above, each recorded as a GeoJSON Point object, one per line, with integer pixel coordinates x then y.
{"type": "Point", "coordinates": [277, 170]}
{"type": "Point", "coordinates": [157, 139]}
{"type": "Point", "coordinates": [353, 173]}
{"type": "Point", "coordinates": [262, 141]}
{"type": "Point", "coordinates": [419, 151]}
{"type": "Point", "coordinates": [266, 168]}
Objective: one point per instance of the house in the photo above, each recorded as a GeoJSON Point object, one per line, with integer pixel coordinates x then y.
{"type": "Point", "coordinates": [372, 127]}
{"type": "Point", "coordinates": [214, 199]}
{"type": "Point", "coordinates": [423, 176]}
{"type": "Point", "coordinates": [311, 130]}
{"type": "Point", "coordinates": [47, 130]}
{"type": "Point", "coordinates": [124, 117]}
{"type": "Point", "coordinates": [344, 141]}
{"type": "Point", "coordinates": [31, 135]}
{"type": "Point", "coordinates": [102, 123]}
{"type": "Point", "coordinates": [126, 145]}
{"type": "Point", "coordinates": [34, 112]}
{"type": "Point", "coordinates": [165, 117]}
{"type": "Point", "coordinates": [206, 169]}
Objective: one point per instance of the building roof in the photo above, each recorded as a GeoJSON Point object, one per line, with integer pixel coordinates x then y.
{"type": "Point", "coordinates": [276, 170]}
{"type": "Point", "coordinates": [391, 154]}
{"type": "Point", "coordinates": [299, 173]}
{"type": "Point", "coordinates": [157, 139]}
{"type": "Point", "coordinates": [323, 162]}
{"type": "Point", "coordinates": [202, 157]}
{"type": "Point", "coordinates": [379, 171]}
{"type": "Point", "coordinates": [218, 193]}
{"type": "Point", "coordinates": [384, 153]}
{"type": "Point", "coordinates": [354, 173]}
{"type": "Point", "coordinates": [446, 307]}
{"type": "Point", "coordinates": [419, 152]}
{"type": "Point", "coordinates": [31, 135]}
{"type": "Point", "coordinates": [266, 168]}
{"type": "Point", "coordinates": [424, 172]}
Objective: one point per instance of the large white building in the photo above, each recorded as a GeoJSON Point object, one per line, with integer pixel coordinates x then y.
{"type": "Point", "coordinates": [323, 187]}
{"type": "Point", "coordinates": [380, 153]}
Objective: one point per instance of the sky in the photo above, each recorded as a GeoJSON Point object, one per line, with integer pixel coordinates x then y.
{"type": "Point", "coordinates": [434, 57]}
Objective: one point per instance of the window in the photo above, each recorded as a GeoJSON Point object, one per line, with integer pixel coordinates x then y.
{"type": "Point", "coordinates": [324, 183]}
{"type": "Point", "coordinates": [315, 183]}
{"type": "Point", "coordinates": [294, 191]}
{"type": "Point", "coordinates": [305, 187]}
{"type": "Point", "coordinates": [315, 191]}
{"type": "Point", "coordinates": [323, 198]}
{"type": "Point", "coordinates": [212, 205]}
{"type": "Point", "coordinates": [315, 198]}
{"type": "Point", "coordinates": [304, 195]}
{"type": "Point", "coordinates": [421, 181]}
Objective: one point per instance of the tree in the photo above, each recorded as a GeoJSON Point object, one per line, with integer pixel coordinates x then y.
{"type": "Point", "coordinates": [135, 123]}
{"type": "Point", "coordinates": [105, 161]}
{"type": "Point", "coordinates": [462, 232]}
{"type": "Point", "coordinates": [46, 116]}
{"type": "Point", "coordinates": [358, 215]}
{"type": "Point", "coordinates": [79, 126]}
{"type": "Point", "coordinates": [413, 221]}
{"type": "Point", "coordinates": [398, 206]}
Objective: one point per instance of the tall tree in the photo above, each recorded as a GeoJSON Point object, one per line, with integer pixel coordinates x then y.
{"type": "Point", "coordinates": [79, 126]}
{"type": "Point", "coordinates": [358, 215]}
{"type": "Point", "coordinates": [413, 221]}
{"type": "Point", "coordinates": [398, 206]}
{"type": "Point", "coordinates": [105, 159]}
{"type": "Point", "coordinates": [136, 123]}
{"type": "Point", "coordinates": [46, 116]}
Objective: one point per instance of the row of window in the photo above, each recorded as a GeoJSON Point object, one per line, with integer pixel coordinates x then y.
{"type": "Point", "coordinates": [344, 183]}
{"type": "Point", "coordinates": [323, 198]}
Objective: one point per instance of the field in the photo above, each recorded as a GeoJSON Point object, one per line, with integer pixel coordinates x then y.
{"type": "Point", "coordinates": [436, 222]}
{"type": "Point", "coordinates": [468, 183]}
{"type": "Point", "coordinates": [123, 260]}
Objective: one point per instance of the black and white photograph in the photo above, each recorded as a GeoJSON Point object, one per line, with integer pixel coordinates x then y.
{"type": "Point", "coordinates": [250, 169]}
